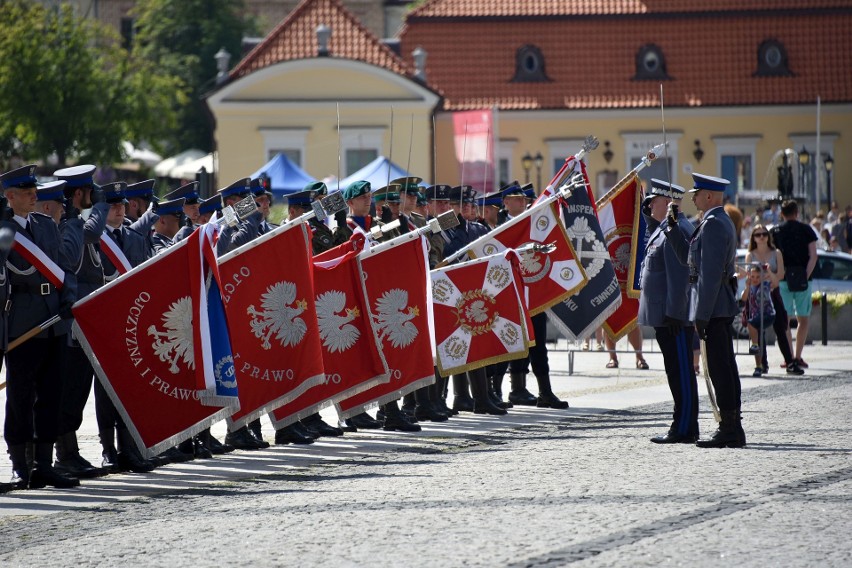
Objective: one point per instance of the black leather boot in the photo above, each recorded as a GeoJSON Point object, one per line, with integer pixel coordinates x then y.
{"type": "Point", "coordinates": [395, 419]}
{"type": "Point", "coordinates": [108, 451]}
{"type": "Point", "coordinates": [242, 439]}
{"type": "Point", "coordinates": [363, 421]}
{"type": "Point", "coordinates": [520, 395]}
{"type": "Point", "coordinates": [70, 462]}
{"type": "Point", "coordinates": [495, 393]}
{"type": "Point", "coordinates": [291, 435]}
{"type": "Point", "coordinates": [729, 435]}
{"type": "Point", "coordinates": [20, 467]}
{"type": "Point", "coordinates": [316, 423]}
{"type": "Point", "coordinates": [216, 447]}
{"type": "Point", "coordinates": [546, 398]}
{"type": "Point", "coordinates": [43, 473]}
{"type": "Point", "coordinates": [129, 458]}
{"type": "Point", "coordinates": [438, 396]}
{"type": "Point", "coordinates": [482, 403]}
{"type": "Point", "coordinates": [424, 409]}
{"type": "Point", "coordinates": [254, 430]}
{"type": "Point", "coordinates": [409, 404]}
{"type": "Point", "coordinates": [462, 401]}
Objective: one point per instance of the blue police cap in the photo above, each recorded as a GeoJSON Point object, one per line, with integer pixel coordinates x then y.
{"type": "Point", "coordinates": [241, 188]}
{"type": "Point", "coordinates": [710, 183]}
{"type": "Point", "coordinates": [260, 186]}
{"type": "Point", "coordinates": [666, 189]}
{"type": "Point", "coordinates": [19, 177]}
{"type": "Point", "coordinates": [77, 176]}
{"type": "Point", "coordinates": [172, 207]}
{"type": "Point", "coordinates": [438, 192]}
{"type": "Point", "coordinates": [318, 187]}
{"type": "Point", "coordinates": [463, 193]}
{"type": "Point", "coordinates": [143, 189]}
{"type": "Point", "coordinates": [114, 192]}
{"type": "Point", "coordinates": [302, 198]}
{"type": "Point", "coordinates": [189, 192]}
{"type": "Point", "coordinates": [409, 184]}
{"type": "Point", "coordinates": [528, 190]}
{"type": "Point", "coordinates": [51, 191]}
{"type": "Point", "coordinates": [356, 189]}
{"type": "Point", "coordinates": [210, 204]}
{"type": "Point", "coordinates": [512, 189]}
{"type": "Point", "coordinates": [495, 199]}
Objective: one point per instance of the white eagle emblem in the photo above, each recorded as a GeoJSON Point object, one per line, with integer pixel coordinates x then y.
{"type": "Point", "coordinates": [591, 257]}
{"type": "Point", "coordinates": [175, 344]}
{"type": "Point", "coordinates": [336, 332]}
{"type": "Point", "coordinates": [393, 316]}
{"type": "Point", "coordinates": [279, 316]}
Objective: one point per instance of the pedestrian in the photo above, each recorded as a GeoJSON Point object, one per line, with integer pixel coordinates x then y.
{"type": "Point", "coordinates": [797, 243]}
{"type": "Point", "coordinates": [710, 254]}
{"type": "Point", "coordinates": [664, 305]}
{"type": "Point", "coordinates": [759, 314]}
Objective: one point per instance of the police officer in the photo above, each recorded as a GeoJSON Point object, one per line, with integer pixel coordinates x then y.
{"type": "Point", "coordinates": [34, 390]}
{"type": "Point", "coordinates": [139, 213]}
{"type": "Point", "coordinates": [50, 198]}
{"type": "Point", "coordinates": [7, 238]}
{"type": "Point", "coordinates": [191, 200]}
{"type": "Point", "coordinates": [167, 225]}
{"type": "Point", "coordinates": [263, 198]}
{"type": "Point", "coordinates": [409, 190]}
{"type": "Point", "coordinates": [206, 208]}
{"type": "Point", "coordinates": [710, 254]}
{"type": "Point", "coordinates": [664, 305]}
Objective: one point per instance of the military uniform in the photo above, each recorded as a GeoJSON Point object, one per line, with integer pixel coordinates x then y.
{"type": "Point", "coordinates": [710, 254]}
{"type": "Point", "coordinates": [664, 305]}
{"type": "Point", "coordinates": [144, 223]}
{"type": "Point", "coordinates": [33, 392]}
{"type": "Point", "coordinates": [159, 241]}
{"type": "Point", "coordinates": [189, 193]}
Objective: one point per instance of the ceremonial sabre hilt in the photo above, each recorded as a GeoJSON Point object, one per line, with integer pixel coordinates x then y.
{"type": "Point", "coordinates": [545, 248]}
{"type": "Point", "coordinates": [233, 214]}
{"type": "Point", "coordinates": [652, 155]}
{"type": "Point", "coordinates": [444, 221]}
{"type": "Point", "coordinates": [328, 205]}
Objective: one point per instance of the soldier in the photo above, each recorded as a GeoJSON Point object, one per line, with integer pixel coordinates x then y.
{"type": "Point", "coordinates": [51, 200]}
{"type": "Point", "coordinates": [490, 207]}
{"type": "Point", "coordinates": [409, 189]}
{"type": "Point", "coordinates": [664, 305]}
{"type": "Point", "coordinates": [710, 254]}
{"type": "Point", "coordinates": [191, 214]}
{"type": "Point", "coordinates": [438, 198]}
{"type": "Point", "coordinates": [33, 391]}
{"type": "Point", "coordinates": [206, 208]}
{"type": "Point", "coordinates": [421, 206]}
{"type": "Point", "coordinates": [167, 225]}
{"type": "Point", "coordinates": [263, 199]}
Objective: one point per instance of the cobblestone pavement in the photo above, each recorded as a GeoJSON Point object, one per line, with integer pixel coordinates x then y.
{"type": "Point", "coordinates": [536, 488]}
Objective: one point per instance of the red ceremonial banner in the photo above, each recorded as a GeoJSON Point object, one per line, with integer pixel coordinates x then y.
{"type": "Point", "coordinates": [351, 356]}
{"type": "Point", "coordinates": [480, 316]}
{"type": "Point", "coordinates": [268, 289]}
{"type": "Point", "coordinates": [146, 354]}
{"type": "Point", "coordinates": [618, 212]}
{"type": "Point", "coordinates": [548, 277]}
{"type": "Point", "coordinates": [397, 282]}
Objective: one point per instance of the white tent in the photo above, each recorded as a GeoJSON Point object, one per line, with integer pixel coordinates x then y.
{"type": "Point", "coordinates": [164, 168]}
{"type": "Point", "coordinates": [143, 155]}
{"type": "Point", "coordinates": [189, 169]}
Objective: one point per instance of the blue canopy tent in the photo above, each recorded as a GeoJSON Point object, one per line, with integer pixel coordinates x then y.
{"type": "Point", "coordinates": [285, 177]}
{"type": "Point", "coordinates": [376, 172]}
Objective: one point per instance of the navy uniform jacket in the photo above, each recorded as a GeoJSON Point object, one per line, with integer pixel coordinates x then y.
{"type": "Point", "coordinates": [160, 242]}
{"type": "Point", "coordinates": [4, 296]}
{"type": "Point", "coordinates": [462, 235]}
{"type": "Point", "coordinates": [144, 225]}
{"type": "Point", "coordinates": [134, 247]}
{"type": "Point", "coordinates": [86, 238]}
{"type": "Point", "coordinates": [664, 280]}
{"type": "Point", "coordinates": [231, 238]}
{"type": "Point", "coordinates": [710, 254]}
{"type": "Point", "coordinates": [28, 307]}
{"type": "Point", "coordinates": [185, 231]}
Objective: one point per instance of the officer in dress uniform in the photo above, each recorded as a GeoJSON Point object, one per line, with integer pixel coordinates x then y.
{"type": "Point", "coordinates": [710, 255]}
{"type": "Point", "coordinates": [191, 204]}
{"type": "Point", "coordinates": [263, 199]}
{"type": "Point", "coordinates": [34, 389]}
{"type": "Point", "coordinates": [409, 190]}
{"type": "Point", "coordinates": [206, 208]}
{"type": "Point", "coordinates": [50, 199]}
{"type": "Point", "coordinates": [167, 225]}
{"type": "Point", "coordinates": [490, 206]}
{"type": "Point", "coordinates": [139, 214]}
{"type": "Point", "coordinates": [7, 238]}
{"type": "Point", "coordinates": [664, 305]}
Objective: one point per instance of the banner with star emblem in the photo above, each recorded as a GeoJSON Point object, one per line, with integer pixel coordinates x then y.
{"type": "Point", "coordinates": [620, 218]}
{"type": "Point", "coordinates": [351, 351]}
{"type": "Point", "coordinates": [579, 315]}
{"type": "Point", "coordinates": [480, 314]}
{"type": "Point", "coordinates": [401, 303]}
{"type": "Point", "coordinates": [272, 319]}
{"type": "Point", "coordinates": [549, 277]}
{"type": "Point", "coordinates": [157, 355]}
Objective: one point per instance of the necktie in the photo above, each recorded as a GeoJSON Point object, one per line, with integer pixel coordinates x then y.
{"type": "Point", "coordinates": [118, 237]}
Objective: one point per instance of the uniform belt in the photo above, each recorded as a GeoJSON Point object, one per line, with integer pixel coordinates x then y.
{"type": "Point", "coordinates": [43, 289]}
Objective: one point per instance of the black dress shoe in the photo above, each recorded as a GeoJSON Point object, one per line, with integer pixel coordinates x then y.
{"type": "Point", "coordinates": [291, 435]}
{"type": "Point", "coordinates": [523, 398]}
{"type": "Point", "coordinates": [428, 412]}
{"type": "Point", "coordinates": [364, 421]}
{"type": "Point", "coordinates": [77, 466]}
{"type": "Point", "coordinates": [20, 479]}
{"type": "Point", "coordinates": [322, 428]}
{"type": "Point", "coordinates": [42, 477]}
{"type": "Point", "coordinates": [243, 439]}
{"type": "Point", "coordinates": [131, 461]}
{"type": "Point", "coordinates": [733, 438]}
{"type": "Point", "coordinates": [488, 407]}
{"type": "Point", "coordinates": [550, 400]}
{"type": "Point", "coordinates": [380, 415]}
{"type": "Point", "coordinates": [399, 422]}
{"type": "Point", "coordinates": [216, 447]}
{"type": "Point", "coordinates": [463, 404]}
{"type": "Point", "coordinates": [110, 461]}
{"type": "Point", "coordinates": [174, 455]}
{"type": "Point", "coordinates": [671, 438]}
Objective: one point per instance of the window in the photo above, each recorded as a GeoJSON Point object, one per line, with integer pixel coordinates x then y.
{"type": "Point", "coordinates": [287, 141]}
{"type": "Point", "coordinates": [359, 146]}
{"type": "Point", "coordinates": [735, 163]}
{"type": "Point", "coordinates": [357, 158]}
{"type": "Point", "coordinates": [650, 64]}
{"type": "Point", "coordinates": [772, 60]}
{"type": "Point", "coordinates": [529, 65]}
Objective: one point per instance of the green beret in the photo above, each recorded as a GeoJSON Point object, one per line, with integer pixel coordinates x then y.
{"type": "Point", "coordinates": [356, 189]}
{"type": "Point", "coordinates": [318, 187]}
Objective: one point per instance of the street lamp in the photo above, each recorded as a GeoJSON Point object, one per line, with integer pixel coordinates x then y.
{"type": "Point", "coordinates": [539, 161]}
{"type": "Point", "coordinates": [829, 164]}
{"type": "Point", "coordinates": [527, 163]}
{"type": "Point", "coordinates": [804, 159]}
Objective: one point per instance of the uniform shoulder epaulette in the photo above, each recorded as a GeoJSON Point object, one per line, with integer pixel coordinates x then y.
{"type": "Point", "coordinates": [131, 230]}
{"type": "Point", "coordinates": [36, 214]}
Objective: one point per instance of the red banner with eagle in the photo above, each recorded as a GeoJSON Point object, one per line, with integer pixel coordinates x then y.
{"type": "Point", "coordinates": [397, 282]}
{"type": "Point", "coordinates": [480, 313]}
{"type": "Point", "coordinates": [619, 213]}
{"type": "Point", "coordinates": [273, 320]}
{"type": "Point", "coordinates": [351, 353]}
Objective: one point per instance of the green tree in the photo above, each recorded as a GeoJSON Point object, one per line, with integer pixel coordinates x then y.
{"type": "Point", "coordinates": [181, 37]}
{"type": "Point", "coordinates": [68, 88]}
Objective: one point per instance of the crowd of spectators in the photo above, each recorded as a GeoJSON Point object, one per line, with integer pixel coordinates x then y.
{"type": "Point", "coordinates": [833, 229]}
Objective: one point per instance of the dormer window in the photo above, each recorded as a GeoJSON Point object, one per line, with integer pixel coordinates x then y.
{"type": "Point", "coordinates": [772, 60]}
{"type": "Point", "coordinates": [529, 65]}
{"type": "Point", "coordinates": [650, 64]}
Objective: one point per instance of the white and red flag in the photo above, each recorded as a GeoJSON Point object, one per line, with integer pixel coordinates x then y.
{"type": "Point", "coordinates": [620, 219]}
{"type": "Point", "coordinates": [548, 277]}
{"type": "Point", "coordinates": [351, 353]}
{"type": "Point", "coordinates": [398, 290]}
{"type": "Point", "coordinates": [480, 314]}
{"type": "Point", "coordinates": [151, 354]}
{"type": "Point", "coordinates": [268, 289]}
